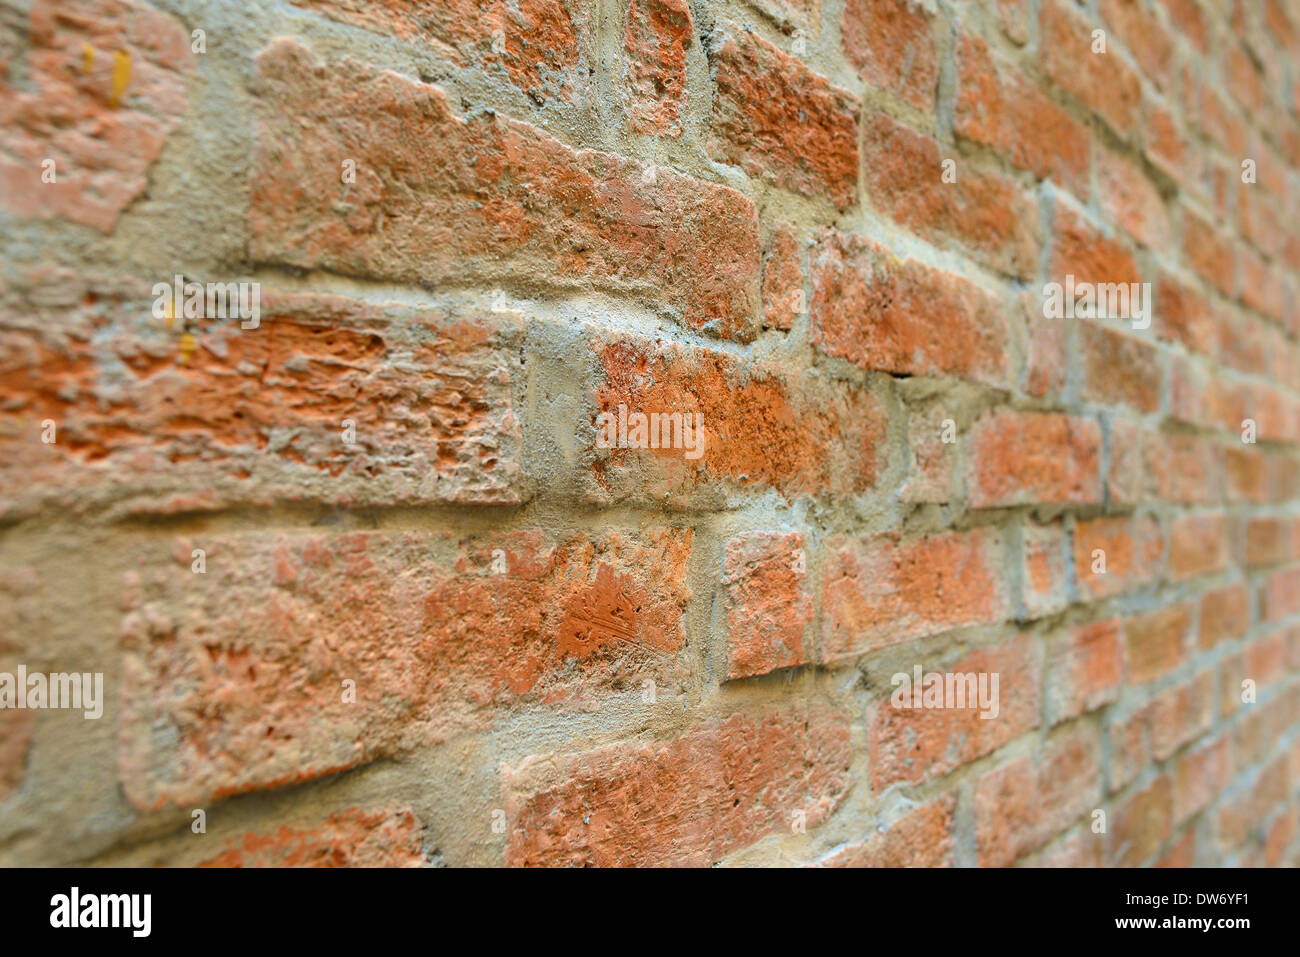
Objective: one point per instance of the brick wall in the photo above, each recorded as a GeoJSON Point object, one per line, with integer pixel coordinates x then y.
{"type": "Point", "coordinates": [384, 573]}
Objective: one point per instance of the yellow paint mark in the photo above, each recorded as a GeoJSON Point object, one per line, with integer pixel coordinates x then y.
{"type": "Point", "coordinates": [188, 345]}
{"type": "Point", "coordinates": [87, 57]}
{"type": "Point", "coordinates": [170, 315]}
{"type": "Point", "coordinates": [121, 75]}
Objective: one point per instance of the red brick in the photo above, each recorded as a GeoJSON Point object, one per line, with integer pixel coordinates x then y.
{"type": "Point", "coordinates": [1103, 82]}
{"type": "Point", "coordinates": [1183, 315]}
{"type": "Point", "coordinates": [1022, 804]}
{"type": "Point", "coordinates": [1199, 778]}
{"type": "Point", "coordinates": [1280, 597]}
{"type": "Point", "coordinates": [1190, 392]}
{"type": "Point", "coordinates": [773, 116]}
{"type": "Point", "coordinates": [767, 603]}
{"type": "Point", "coordinates": [1246, 475]}
{"type": "Point", "coordinates": [913, 745]}
{"type": "Point", "coordinates": [985, 212]}
{"type": "Point", "coordinates": [1133, 554]}
{"type": "Point", "coordinates": [930, 462]}
{"type": "Point", "coordinates": [891, 44]}
{"type": "Point", "coordinates": [1046, 365]}
{"type": "Point", "coordinates": [903, 316]}
{"type": "Point", "coordinates": [879, 590]}
{"type": "Point", "coordinates": [1154, 642]}
{"type": "Point", "coordinates": [350, 838]}
{"type": "Point", "coordinates": [1266, 660]}
{"type": "Point", "coordinates": [1119, 369]}
{"type": "Point", "coordinates": [688, 801]}
{"type": "Point", "coordinates": [104, 121]}
{"type": "Point", "coordinates": [763, 427]}
{"type": "Point", "coordinates": [1182, 853]}
{"type": "Point", "coordinates": [999, 107]}
{"type": "Point", "coordinates": [1044, 582]}
{"type": "Point", "coordinates": [501, 199]}
{"type": "Point", "coordinates": [1210, 255]}
{"type": "Point", "coordinates": [1187, 16]}
{"type": "Point", "coordinates": [1225, 614]}
{"type": "Point", "coordinates": [783, 300]}
{"type": "Point", "coordinates": [1131, 201]}
{"type": "Point", "coordinates": [1129, 752]}
{"type": "Point", "coordinates": [542, 41]}
{"type": "Point", "coordinates": [1141, 32]}
{"type": "Point", "coordinates": [1181, 714]}
{"type": "Point", "coordinates": [920, 838]}
{"type": "Point", "coordinates": [1081, 250]}
{"type": "Point", "coordinates": [1085, 669]}
{"type": "Point", "coordinates": [1148, 466]}
{"type": "Point", "coordinates": [655, 42]}
{"type": "Point", "coordinates": [216, 702]}
{"type": "Point", "coordinates": [1029, 457]}
{"type": "Point", "coordinates": [1198, 545]}
{"type": "Point", "coordinates": [1270, 541]}
{"type": "Point", "coordinates": [255, 415]}
{"type": "Point", "coordinates": [1140, 825]}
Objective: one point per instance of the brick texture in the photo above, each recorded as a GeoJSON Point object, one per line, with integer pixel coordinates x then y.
{"type": "Point", "coordinates": [651, 432]}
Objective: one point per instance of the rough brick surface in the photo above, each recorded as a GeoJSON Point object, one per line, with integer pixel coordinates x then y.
{"type": "Point", "coordinates": [641, 395]}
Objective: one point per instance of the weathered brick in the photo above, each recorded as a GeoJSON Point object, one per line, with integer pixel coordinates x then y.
{"type": "Point", "coordinates": [762, 426]}
{"type": "Point", "coordinates": [783, 298]}
{"type": "Point", "coordinates": [216, 702]}
{"type": "Point", "coordinates": [1225, 614]}
{"type": "Point", "coordinates": [1183, 315]}
{"type": "Point", "coordinates": [1023, 803]}
{"type": "Point", "coordinates": [1154, 642]}
{"type": "Point", "coordinates": [1118, 368]}
{"type": "Point", "coordinates": [880, 590]}
{"type": "Point", "coordinates": [774, 116]}
{"type": "Point", "coordinates": [999, 107]}
{"type": "Point", "coordinates": [1131, 201]}
{"type": "Point", "coordinates": [1181, 714]}
{"type": "Point", "coordinates": [1027, 457]}
{"type": "Point", "coordinates": [102, 86]}
{"type": "Point", "coordinates": [984, 212]}
{"type": "Point", "coordinates": [920, 838]}
{"type": "Point", "coordinates": [500, 200]}
{"type": "Point", "coordinates": [903, 316]}
{"type": "Point", "coordinates": [688, 801]}
{"type": "Point", "coordinates": [536, 43]}
{"type": "Point", "coordinates": [1085, 669]}
{"type": "Point", "coordinates": [1198, 545]}
{"type": "Point", "coordinates": [1199, 777]}
{"type": "Point", "coordinates": [1270, 541]}
{"type": "Point", "coordinates": [655, 42]}
{"type": "Point", "coordinates": [912, 745]}
{"type": "Point", "coordinates": [891, 44]}
{"type": "Point", "coordinates": [195, 414]}
{"type": "Point", "coordinates": [1140, 825]}
{"type": "Point", "coordinates": [767, 603]}
{"type": "Point", "coordinates": [1044, 581]}
{"type": "Point", "coordinates": [1209, 254]}
{"type": "Point", "coordinates": [1103, 82]}
{"type": "Point", "coordinates": [350, 838]}
{"type": "Point", "coordinates": [1131, 555]}
{"type": "Point", "coordinates": [1280, 596]}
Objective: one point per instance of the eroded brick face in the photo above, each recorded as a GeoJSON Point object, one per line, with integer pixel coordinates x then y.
{"type": "Point", "coordinates": [686, 801]}
{"type": "Point", "coordinates": [642, 395]}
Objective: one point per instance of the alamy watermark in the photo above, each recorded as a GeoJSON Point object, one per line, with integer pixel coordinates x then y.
{"type": "Point", "coordinates": [656, 430]}
{"type": "Point", "coordinates": [936, 689]}
{"type": "Point", "coordinates": [75, 690]}
{"type": "Point", "coordinates": [1091, 300]}
{"type": "Point", "coordinates": [212, 300]}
